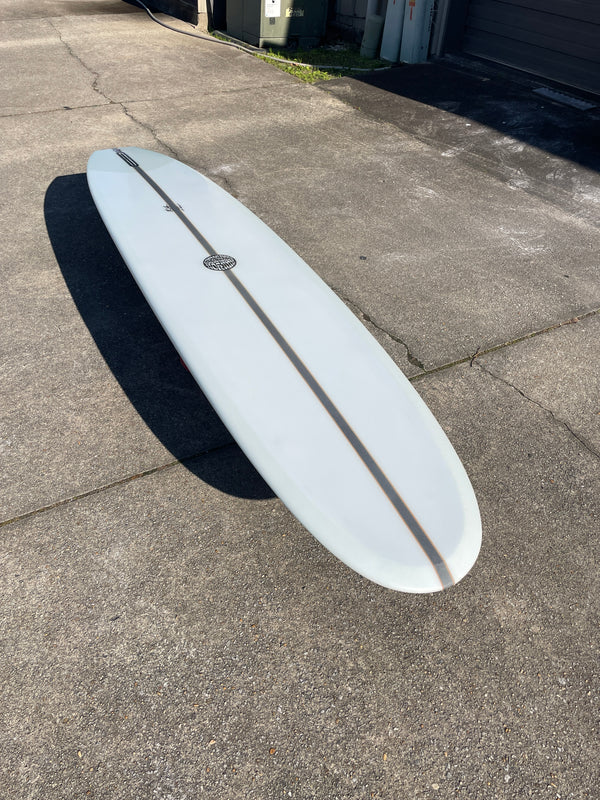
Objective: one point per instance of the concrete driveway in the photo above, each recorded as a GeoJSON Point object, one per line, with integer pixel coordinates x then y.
{"type": "Point", "coordinates": [169, 630]}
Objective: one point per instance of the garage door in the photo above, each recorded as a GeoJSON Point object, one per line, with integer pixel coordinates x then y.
{"type": "Point", "coordinates": [557, 39]}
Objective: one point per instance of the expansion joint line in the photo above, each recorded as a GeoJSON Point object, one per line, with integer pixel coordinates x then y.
{"type": "Point", "coordinates": [479, 353]}
{"type": "Point", "coordinates": [113, 484]}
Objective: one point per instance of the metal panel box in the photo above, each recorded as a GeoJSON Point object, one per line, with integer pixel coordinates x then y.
{"type": "Point", "coordinates": [277, 23]}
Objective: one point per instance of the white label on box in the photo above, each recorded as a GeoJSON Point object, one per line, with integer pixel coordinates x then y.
{"type": "Point", "coordinates": [272, 8]}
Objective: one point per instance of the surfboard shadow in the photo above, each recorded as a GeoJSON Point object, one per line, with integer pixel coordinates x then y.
{"type": "Point", "coordinates": [134, 345]}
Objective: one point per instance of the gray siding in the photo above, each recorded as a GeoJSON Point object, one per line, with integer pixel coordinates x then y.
{"type": "Point", "coordinates": [557, 39]}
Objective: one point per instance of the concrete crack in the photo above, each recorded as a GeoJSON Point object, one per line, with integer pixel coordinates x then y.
{"type": "Point", "coordinates": [128, 113]}
{"type": "Point", "coordinates": [409, 355]}
{"type": "Point", "coordinates": [109, 100]}
{"type": "Point", "coordinates": [412, 359]}
{"type": "Point", "coordinates": [95, 75]}
{"type": "Point", "coordinates": [563, 423]}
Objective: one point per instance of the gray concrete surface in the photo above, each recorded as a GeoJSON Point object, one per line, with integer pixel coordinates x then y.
{"type": "Point", "coordinates": [168, 629]}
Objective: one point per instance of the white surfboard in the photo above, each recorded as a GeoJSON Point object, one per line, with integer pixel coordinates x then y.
{"type": "Point", "coordinates": [320, 409]}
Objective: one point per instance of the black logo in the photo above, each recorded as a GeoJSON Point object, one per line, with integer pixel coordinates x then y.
{"type": "Point", "coordinates": [219, 262]}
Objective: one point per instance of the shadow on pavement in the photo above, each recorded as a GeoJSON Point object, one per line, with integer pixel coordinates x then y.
{"type": "Point", "coordinates": [134, 345]}
{"type": "Point", "coordinates": [492, 96]}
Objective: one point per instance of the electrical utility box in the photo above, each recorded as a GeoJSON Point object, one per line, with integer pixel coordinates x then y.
{"type": "Point", "coordinates": [277, 23]}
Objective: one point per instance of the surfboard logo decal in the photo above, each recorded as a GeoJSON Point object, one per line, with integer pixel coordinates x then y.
{"type": "Point", "coordinates": [433, 555]}
{"type": "Point", "coordinates": [219, 262]}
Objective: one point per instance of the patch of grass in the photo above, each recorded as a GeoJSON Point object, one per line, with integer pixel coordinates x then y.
{"type": "Point", "coordinates": [323, 63]}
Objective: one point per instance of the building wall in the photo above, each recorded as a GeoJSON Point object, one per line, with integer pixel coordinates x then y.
{"type": "Point", "coordinates": [348, 18]}
{"type": "Point", "coordinates": [554, 39]}
{"type": "Point", "coordinates": [187, 10]}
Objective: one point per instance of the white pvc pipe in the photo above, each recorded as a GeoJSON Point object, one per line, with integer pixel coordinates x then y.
{"type": "Point", "coordinates": [418, 16]}
{"type": "Point", "coordinates": [373, 8]}
{"type": "Point", "coordinates": [371, 36]}
{"type": "Point", "coordinates": [392, 30]}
